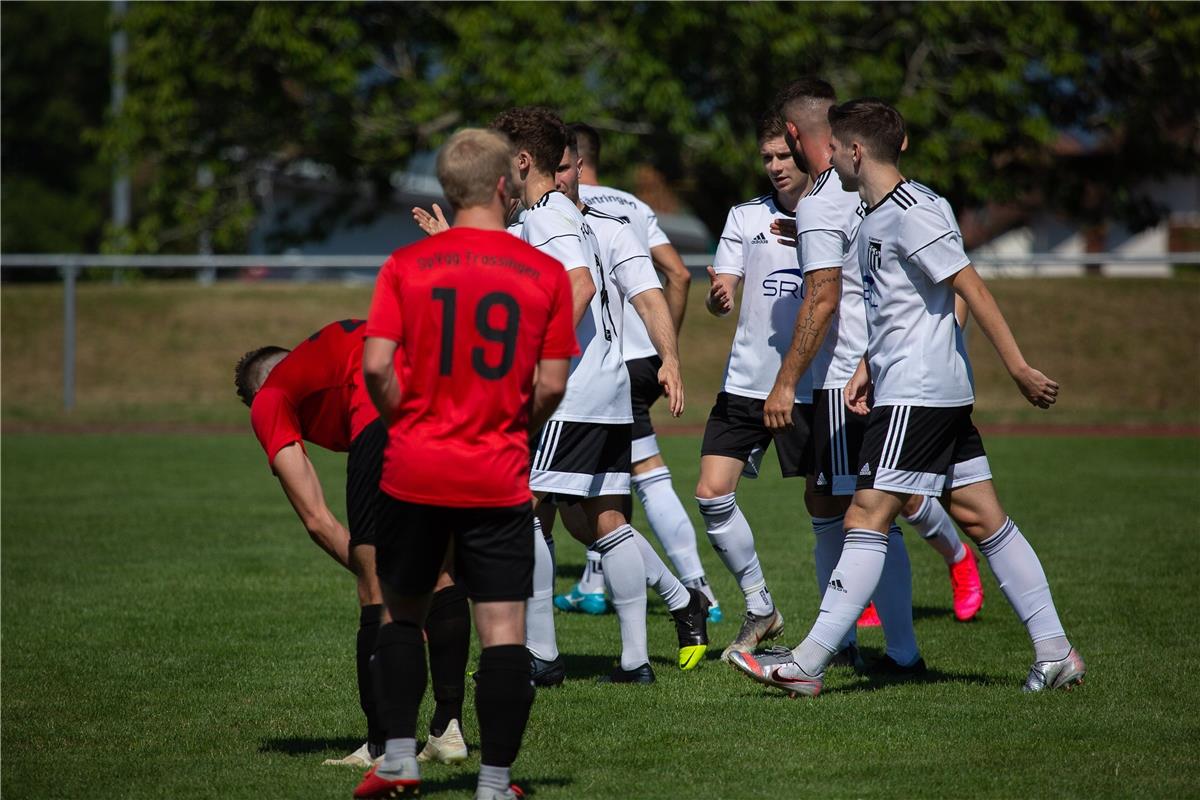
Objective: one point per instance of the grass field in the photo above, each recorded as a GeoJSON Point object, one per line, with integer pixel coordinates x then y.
{"type": "Point", "coordinates": [169, 631]}
{"type": "Point", "coordinates": [1124, 350]}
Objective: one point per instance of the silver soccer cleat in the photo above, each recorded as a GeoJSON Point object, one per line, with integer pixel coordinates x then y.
{"type": "Point", "coordinates": [777, 667]}
{"type": "Point", "coordinates": [1062, 674]}
{"type": "Point", "coordinates": [755, 630]}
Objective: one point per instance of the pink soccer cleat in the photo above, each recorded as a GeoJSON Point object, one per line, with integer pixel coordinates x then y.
{"type": "Point", "coordinates": [968, 591]}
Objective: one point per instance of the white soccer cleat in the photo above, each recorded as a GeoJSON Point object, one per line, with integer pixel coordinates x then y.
{"type": "Point", "coordinates": [360, 758]}
{"type": "Point", "coordinates": [449, 748]}
{"type": "Point", "coordinates": [755, 630]}
{"type": "Point", "coordinates": [1063, 674]}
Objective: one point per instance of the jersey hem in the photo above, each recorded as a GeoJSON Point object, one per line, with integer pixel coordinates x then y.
{"type": "Point", "coordinates": [430, 500]}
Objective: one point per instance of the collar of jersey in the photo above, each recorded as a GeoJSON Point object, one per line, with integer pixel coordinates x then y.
{"type": "Point", "coordinates": [886, 197]}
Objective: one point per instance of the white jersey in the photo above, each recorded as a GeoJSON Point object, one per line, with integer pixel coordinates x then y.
{"type": "Point", "coordinates": [635, 341]}
{"type": "Point", "coordinates": [771, 294]}
{"type": "Point", "coordinates": [908, 245]}
{"type": "Point", "coordinates": [826, 221]}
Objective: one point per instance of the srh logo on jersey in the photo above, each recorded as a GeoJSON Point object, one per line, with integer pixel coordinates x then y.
{"type": "Point", "coordinates": [759, 239]}
{"type": "Point", "coordinates": [780, 286]}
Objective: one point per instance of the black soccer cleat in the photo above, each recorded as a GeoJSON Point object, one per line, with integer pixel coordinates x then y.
{"type": "Point", "coordinates": [848, 656]}
{"type": "Point", "coordinates": [642, 674]}
{"type": "Point", "coordinates": [546, 674]}
{"type": "Point", "coordinates": [889, 666]}
{"type": "Point", "coordinates": [691, 625]}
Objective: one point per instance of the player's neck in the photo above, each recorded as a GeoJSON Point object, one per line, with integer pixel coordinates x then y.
{"type": "Point", "coordinates": [536, 187]}
{"type": "Point", "coordinates": [488, 218]}
{"type": "Point", "coordinates": [791, 198]}
{"type": "Point", "coordinates": [876, 180]}
{"type": "Point", "coordinates": [588, 176]}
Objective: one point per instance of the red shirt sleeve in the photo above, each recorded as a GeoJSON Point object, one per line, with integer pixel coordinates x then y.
{"type": "Point", "coordinates": [384, 319]}
{"type": "Point", "coordinates": [560, 341]}
{"type": "Point", "coordinates": [275, 422]}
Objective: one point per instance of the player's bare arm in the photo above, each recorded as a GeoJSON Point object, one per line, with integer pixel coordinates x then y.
{"type": "Point", "coordinates": [858, 390]}
{"type": "Point", "coordinates": [549, 387]}
{"type": "Point", "coordinates": [652, 307]}
{"type": "Point", "coordinates": [303, 489]}
{"type": "Point", "coordinates": [677, 280]}
{"type": "Point", "coordinates": [721, 292]}
{"type": "Point", "coordinates": [583, 289]}
{"type": "Point", "coordinates": [1038, 389]}
{"type": "Point", "coordinates": [379, 375]}
{"type": "Point", "coordinates": [430, 223]}
{"type": "Point", "coordinates": [822, 293]}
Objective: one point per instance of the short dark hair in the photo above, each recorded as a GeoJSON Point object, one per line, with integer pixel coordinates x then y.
{"type": "Point", "coordinates": [589, 143]}
{"type": "Point", "coordinates": [537, 130]}
{"type": "Point", "coordinates": [809, 87]}
{"type": "Point", "coordinates": [249, 374]}
{"type": "Point", "coordinates": [872, 122]}
{"type": "Point", "coordinates": [573, 140]}
{"type": "Point", "coordinates": [770, 125]}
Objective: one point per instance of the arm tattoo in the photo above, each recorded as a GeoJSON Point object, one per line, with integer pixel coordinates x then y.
{"type": "Point", "coordinates": [809, 330]}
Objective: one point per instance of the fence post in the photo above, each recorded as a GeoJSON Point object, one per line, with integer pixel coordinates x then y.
{"type": "Point", "coordinates": [69, 272]}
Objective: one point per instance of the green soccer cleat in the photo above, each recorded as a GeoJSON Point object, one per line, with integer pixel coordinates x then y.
{"type": "Point", "coordinates": [691, 625]}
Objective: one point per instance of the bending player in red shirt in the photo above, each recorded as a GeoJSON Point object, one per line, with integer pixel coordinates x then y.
{"type": "Point", "coordinates": [479, 327]}
{"type": "Point", "coordinates": [314, 393]}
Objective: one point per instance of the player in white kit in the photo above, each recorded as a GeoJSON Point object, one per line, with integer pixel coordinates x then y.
{"type": "Point", "coordinates": [651, 478]}
{"type": "Point", "coordinates": [916, 389]}
{"type": "Point", "coordinates": [583, 453]}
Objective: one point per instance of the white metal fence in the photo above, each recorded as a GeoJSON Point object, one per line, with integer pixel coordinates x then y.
{"type": "Point", "coordinates": [207, 266]}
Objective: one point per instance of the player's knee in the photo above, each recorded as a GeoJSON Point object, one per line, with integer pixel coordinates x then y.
{"type": "Point", "coordinates": [708, 488]}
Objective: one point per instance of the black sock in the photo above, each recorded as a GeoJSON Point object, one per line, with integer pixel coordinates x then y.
{"type": "Point", "coordinates": [400, 678]}
{"type": "Point", "coordinates": [503, 697]}
{"type": "Point", "coordinates": [368, 635]}
{"type": "Point", "coordinates": [448, 630]}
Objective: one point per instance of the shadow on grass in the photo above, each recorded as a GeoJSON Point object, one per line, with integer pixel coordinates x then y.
{"type": "Point", "coordinates": [339, 746]}
{"type": "Point", "coordinates": [588, 667]}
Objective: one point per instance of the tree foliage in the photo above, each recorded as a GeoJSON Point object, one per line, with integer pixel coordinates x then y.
{"type": "Point", "coordinates": [990, 91]}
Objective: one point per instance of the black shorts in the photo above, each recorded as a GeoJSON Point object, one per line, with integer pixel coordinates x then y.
{"type": "Point", "coordinates": [735, 429]}
{"type": "Point", "coordinates": [644, 390]}
{"type": "Point", "coordinates": [921, 450]}
{"type": "Point", "coordinates": [493, 548]}
{"type": "Point", "coordinates": [581, 459]}
{"type": "Point", "coordinates": [837, 436]}
{"type": "Point", "coordinates": [364, 466]}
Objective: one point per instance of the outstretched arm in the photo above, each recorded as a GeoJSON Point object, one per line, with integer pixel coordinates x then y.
{"type": "Point", "coordinates": [652, 307]}
{"type": "Point", "coordinates": [822, 293]}
{"type": "Point", "coordinates": [668, 264]}
{"type": "Point", "coordinates": [1036, 387]}
{"type": "Point", "coordinates": [303, 489]}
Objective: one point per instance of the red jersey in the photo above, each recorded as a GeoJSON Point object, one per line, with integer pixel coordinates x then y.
{"type": "Point", "coordinates": [472, 312]}
{"type": "Point", "coordinates": [315, 393]}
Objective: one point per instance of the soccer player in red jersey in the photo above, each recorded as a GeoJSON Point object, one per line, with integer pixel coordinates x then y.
{"type": "Point", "coordinates": [315, 393]}
{"type": "Point", "coordinates": [468, 344]}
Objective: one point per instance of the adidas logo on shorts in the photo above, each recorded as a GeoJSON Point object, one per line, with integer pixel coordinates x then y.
{"type": "Point", "coordinates": [866, 470]}
{"type": "Point", "coordinates": [760, 239]}
{"type": "Point", "coordinates": [821, 479]}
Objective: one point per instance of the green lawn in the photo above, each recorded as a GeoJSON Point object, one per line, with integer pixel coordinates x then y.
{"type": "Point", "coordinates": [168, 630]}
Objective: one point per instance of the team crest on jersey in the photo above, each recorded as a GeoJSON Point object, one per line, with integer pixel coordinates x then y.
{"type": "Point", "coordinates": [874, 254]}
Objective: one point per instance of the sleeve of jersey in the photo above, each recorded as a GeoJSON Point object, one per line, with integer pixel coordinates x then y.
{"type": "Point", "coordinates": [821, 239]}
{"type": "Point", "coordinates": [729, 258]}
{"type": "Point", "coordinates": [560, 341]}
{"type": "Point", "coordinates": [556, 236]}
{"type": "Point", "coordinates": [632, 269]}
{"type": "Point", "coordinates": [932, 242]}
{"type": "Point", "coordinates": [275, 423]}
{"type": "Point", "coordinates": [654, 234]}
{"type": "Point", "coordinates": [384, 319]}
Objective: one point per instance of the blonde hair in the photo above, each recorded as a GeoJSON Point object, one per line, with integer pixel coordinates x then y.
{"type": "Point", "coordinates": [470, 164]}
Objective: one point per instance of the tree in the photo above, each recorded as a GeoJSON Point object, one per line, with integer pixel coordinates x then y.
{"type": "Point", "coordinates": [988, 90]}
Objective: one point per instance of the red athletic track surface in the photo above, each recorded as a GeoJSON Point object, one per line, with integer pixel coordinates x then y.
{"type": "Point", "coordinates": [997, 429]}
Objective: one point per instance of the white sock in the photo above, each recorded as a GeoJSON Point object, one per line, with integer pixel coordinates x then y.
{"type": "Point", "coordinates": [593, 574]}
{"type": "Point", "coordinates": [893, 601]}
{"type": "Point", "coordinates": [669, 521]}
{"type": "Point", "coordinates": [397, 750]}
{"type": "Point", "coordinates": [701, 583]}
{"type": "Point", "coordinates": [495, 778]}
{"type": "Point", "coordinates": [827, 549]}
{"type": "Point", "coordinates": [730, 535]}
{"type": "Point", "coordinates": [660, 579]}
{"type": "Point", "coordinates": [851, 585]}
{"type": "Point", "coordinates": [539, 609]}
{"type": "Point", "coordinates": [936, 527]}
{"type": "Point", "coordinates": [1023, 582]}
{"type": "Point", "coordinates": [625, 574]}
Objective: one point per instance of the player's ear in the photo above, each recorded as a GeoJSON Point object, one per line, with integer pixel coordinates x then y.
{"type": "Point", "coordinates": [792, 130]}
{"type": "Point", "coordinates": [524, 161]}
